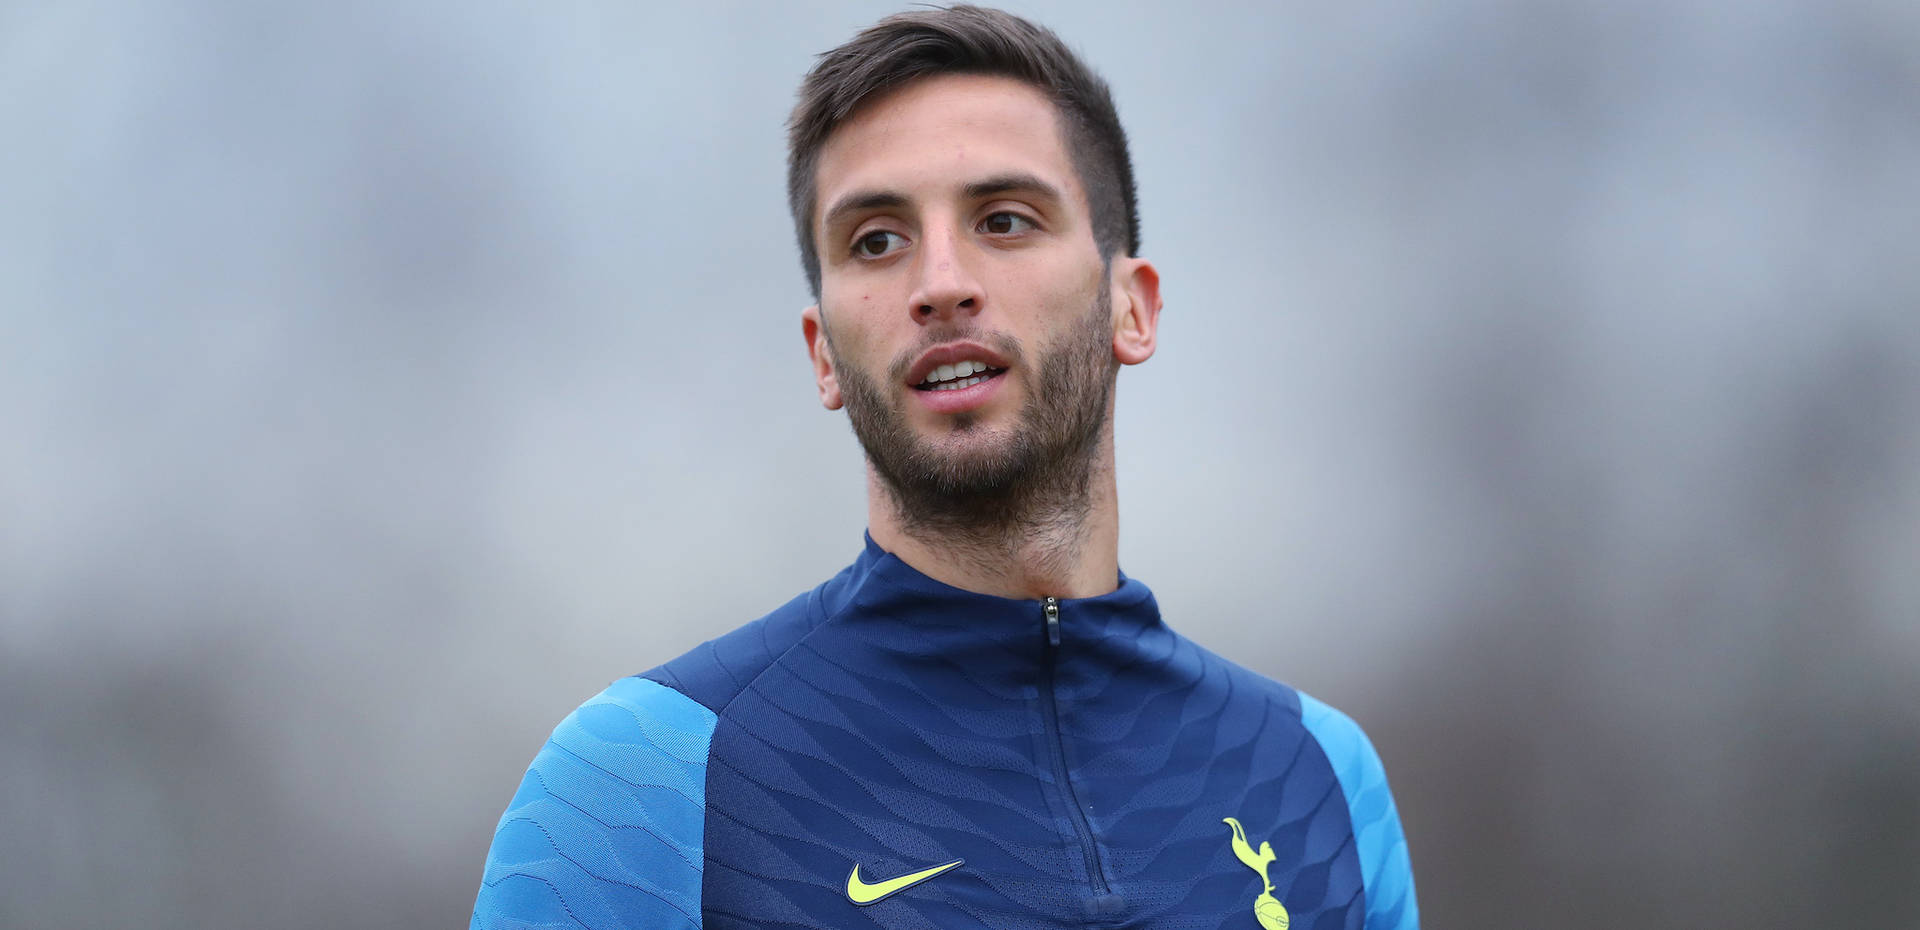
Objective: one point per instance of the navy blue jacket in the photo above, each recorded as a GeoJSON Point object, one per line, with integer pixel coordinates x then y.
{"type": "Point", "coordinates": [890, 751]}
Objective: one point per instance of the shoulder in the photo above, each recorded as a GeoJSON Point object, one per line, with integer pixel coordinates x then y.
{"type": "Point", "coordinates": [1385, 866]}
{"type": "Point", "coordinates": [1347, 747]}
{"type": "Point", "coordinates": [1384, 863]}
{"type": "Point", "coordinates": [715, 672]}
{"type": "Point", "coordinates": [607, 828]}
{"type": "Point", "coordinates": [1345, 744]}
{"type": "Point", "coordinates": [607, 823]}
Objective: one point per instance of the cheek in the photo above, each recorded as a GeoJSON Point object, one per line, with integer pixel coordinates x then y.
{"type": "Point", "coordinates": [852, 325]}
{"type": "Point", "coordinates": [1068, 300]}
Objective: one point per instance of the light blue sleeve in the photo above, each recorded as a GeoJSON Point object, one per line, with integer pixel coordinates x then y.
{"type": "Point", "coordinates": [1384, 865]}
{"type": "Point", "coordinates": [607, 828]}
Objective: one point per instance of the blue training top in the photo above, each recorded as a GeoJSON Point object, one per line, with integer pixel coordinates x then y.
{"type": "Point", "coordinates": [890, 751]}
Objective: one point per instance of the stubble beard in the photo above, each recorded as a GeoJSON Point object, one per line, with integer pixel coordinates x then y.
{"type": "Point", "coordinates": [987, 486]}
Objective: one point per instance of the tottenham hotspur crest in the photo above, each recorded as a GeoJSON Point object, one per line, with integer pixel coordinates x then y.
{"type": "Point", "coordinates": [1267, 909]}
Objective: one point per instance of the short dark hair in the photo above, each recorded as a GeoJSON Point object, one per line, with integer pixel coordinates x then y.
{"type": "Point", "coordinates": [906, 47]}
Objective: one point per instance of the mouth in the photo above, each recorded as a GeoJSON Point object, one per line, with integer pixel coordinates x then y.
{"type": "Point", "coordinates": [959, 376]}
{"type": "Point", "coordinates": [947, 367]}
{"type": "Point", "coordinates": [956, 379]}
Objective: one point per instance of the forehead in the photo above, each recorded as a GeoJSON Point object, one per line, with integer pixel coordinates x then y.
{"type": "Point", "coordinates": [935, 134]}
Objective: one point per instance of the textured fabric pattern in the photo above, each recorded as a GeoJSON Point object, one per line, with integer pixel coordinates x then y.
{"type": "Point", "coordinates": [606, 829]}
{"type": "Point", "coordinates": [1376, 823]}
{"type": "Point", "coordinates": [1111, 774]}
{"type": "Point", "coordinates": [890, 721]}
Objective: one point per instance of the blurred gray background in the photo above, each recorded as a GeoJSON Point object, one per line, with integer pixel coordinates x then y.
{"type": "Point", "coordinates": [1539, 382]}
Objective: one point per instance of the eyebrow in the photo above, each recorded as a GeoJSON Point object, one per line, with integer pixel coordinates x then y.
{"type": "Point", "coordinates": [859, 201]}
{"type": "Point", "coordinates": [1010, 183]}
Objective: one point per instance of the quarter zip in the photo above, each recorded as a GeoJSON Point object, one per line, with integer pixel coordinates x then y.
{"type": "Point", "coordinates": [1050, 611]}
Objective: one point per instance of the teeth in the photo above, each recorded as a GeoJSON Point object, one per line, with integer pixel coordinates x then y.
{"type": "Point", "coordinates": [957, 385]}
{"type": "Point", "coordinates": [947, 373]}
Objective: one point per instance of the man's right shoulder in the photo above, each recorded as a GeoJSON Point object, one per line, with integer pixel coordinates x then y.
{"type": "Point", "coordinates": [719, 670]}
{"type": "Point", "coordinates": [630, 760]}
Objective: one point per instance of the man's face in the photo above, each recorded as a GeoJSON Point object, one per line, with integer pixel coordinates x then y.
{"type": "Point", "coordinates": [968, 323]}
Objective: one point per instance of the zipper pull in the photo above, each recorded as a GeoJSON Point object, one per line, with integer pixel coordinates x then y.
{"type": "Point", "coordinates": [1053, 621]}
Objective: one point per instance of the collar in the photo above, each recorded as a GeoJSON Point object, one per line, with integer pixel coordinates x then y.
{"type": "Point", "coordinates": [880, 587]}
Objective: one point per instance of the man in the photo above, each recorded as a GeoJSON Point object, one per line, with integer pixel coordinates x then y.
{"type": "Point", "coordinates": [981, 722]}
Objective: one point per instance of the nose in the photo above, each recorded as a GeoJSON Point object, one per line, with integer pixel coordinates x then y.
{"type": "Point", "coordinates": [945, 287]}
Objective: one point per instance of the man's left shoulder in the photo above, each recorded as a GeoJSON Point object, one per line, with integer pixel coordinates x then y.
{"type": "Point", "coordinates": [1380, 840]}
{"type": "Point", "coordinates": [1341, 738]}
{"type": "Point", "coordinates": [1348, 750]}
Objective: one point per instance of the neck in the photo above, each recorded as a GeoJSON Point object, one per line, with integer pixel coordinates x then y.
{"type": "Point", "coordinates": [1061, 544]}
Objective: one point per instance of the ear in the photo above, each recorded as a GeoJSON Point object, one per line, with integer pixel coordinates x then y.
{"type": "Point", "coordinates": [1136, 309]}
{"type": "Point", "coordinates": [820, 352]}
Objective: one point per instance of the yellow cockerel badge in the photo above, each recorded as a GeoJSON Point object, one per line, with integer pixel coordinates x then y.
{"type": "Point", "coordinates": [1267, 909]}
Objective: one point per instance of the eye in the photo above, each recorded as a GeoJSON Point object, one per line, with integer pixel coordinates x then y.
{"type": "Point", "coordinates": [1004, 223]}
{"type": "Point", "coordinates": [878, 243]}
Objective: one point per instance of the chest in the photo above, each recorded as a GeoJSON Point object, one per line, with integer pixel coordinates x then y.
{"type": "Point", "coordinates": [841, 795]}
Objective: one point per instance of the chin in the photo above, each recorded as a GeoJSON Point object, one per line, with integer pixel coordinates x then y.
{"type": "Point", "coordinates": [968, 458]}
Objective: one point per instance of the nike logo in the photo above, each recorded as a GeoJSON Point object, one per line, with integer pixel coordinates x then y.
{"type": "Point", "coordinates": [861, 893]}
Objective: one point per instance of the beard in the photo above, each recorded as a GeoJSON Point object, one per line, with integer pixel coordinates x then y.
{"type": "Point", "coordinates": [980, 482]}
